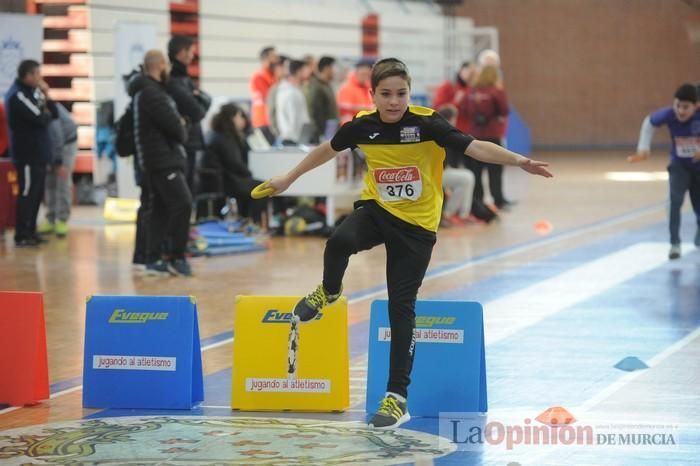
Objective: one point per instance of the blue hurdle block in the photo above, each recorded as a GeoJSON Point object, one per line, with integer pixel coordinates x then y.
{"type": "Point", "coordinates": [142, 352]}
{"type": "Point", "coordinates": [449, 369]}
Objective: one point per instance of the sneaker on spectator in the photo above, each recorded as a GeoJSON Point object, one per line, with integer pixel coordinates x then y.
{"type": "Point", "coordinates": [180, 267]}
{"type": "Point", "coordinates": [61, 229]}
{"type": "Point", "coordinates": [158, 269]}
{"type": "Point", "coordinates": [45, 228]}
{"type": "Point", "coordinates": [27, 243]}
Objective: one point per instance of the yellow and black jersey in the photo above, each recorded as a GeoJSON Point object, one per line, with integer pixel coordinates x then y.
{"type": "Point", "coordinates": [404, 161]}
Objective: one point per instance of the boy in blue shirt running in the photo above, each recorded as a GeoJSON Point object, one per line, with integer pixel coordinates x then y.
{"type": "Point", "coordinates": [683, 121]}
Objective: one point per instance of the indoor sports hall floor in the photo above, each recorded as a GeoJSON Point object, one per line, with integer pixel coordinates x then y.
{"type": "Point", "coordinates": [561, 309]}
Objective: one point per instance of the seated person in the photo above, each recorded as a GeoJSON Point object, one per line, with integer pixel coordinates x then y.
{"type": "Point", "coordinates": [227, 155]}
{"type": "Point", "coordinates": [457, 181]}
{"type": "Point", "coordinates": [456, 165]}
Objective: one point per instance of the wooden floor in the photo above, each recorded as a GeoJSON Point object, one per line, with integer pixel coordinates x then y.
{"type": "Point", "coordinates": [593, 216]}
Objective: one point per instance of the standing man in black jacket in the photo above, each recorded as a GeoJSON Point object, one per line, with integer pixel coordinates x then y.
{"type": "Point", "coordinates": [192, 103]}
{"type": "Point", "coordinates": [160, 133]}
{"type": "Point", "coordinates": [29, 112]}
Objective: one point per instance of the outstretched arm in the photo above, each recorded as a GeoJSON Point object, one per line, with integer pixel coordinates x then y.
{"type": "Point", "coordinates": [646, 134]}
{"type": "Point", "coordinates": [320, 155]}
{"type": "Point", "coordinates": [493, 153]}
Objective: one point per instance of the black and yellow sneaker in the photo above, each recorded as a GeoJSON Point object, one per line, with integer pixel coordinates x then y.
{"type": "Point", "coordinates": [309, 307]}
{"type": "Point", "coordinates": [391, 414]}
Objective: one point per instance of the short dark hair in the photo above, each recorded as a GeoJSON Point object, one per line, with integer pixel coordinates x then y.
{"type": "Point", "coordinates": [26, 67]}
{"type": "Point", "coordinates": [324, 62]}
{"type": "Point", "coordinates": [178, 43]}
{"type": "Point", "coordinates": [266, 51]}
{"type": "Point", "coordinates": [295, 66]}
{"type": "Point", "coordinates": [687, 93]}
{"type": "Point", "coordinates": [388, 67]}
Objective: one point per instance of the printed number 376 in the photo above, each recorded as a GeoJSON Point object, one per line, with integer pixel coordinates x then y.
{"type": "Point", "coordinates": [397, 190]}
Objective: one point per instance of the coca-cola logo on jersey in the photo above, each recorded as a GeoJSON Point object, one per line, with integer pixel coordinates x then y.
{"type": "Point", "coordinates": [396, 175]}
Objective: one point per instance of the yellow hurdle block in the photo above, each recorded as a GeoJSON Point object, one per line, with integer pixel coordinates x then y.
{"type": "Point", "coordinates": [260, 380]}
{"type": "Point", "coordinates": [118, 209]}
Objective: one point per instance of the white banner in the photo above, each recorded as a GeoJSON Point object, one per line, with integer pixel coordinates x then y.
{"type": "Point", "coordinates": [131, 42]}
{"type": "Point", "coordinates": [288, 385]}
{"type": "Point", "coordinates": [20, 39]}
{"type": "Point", "coordinates": [137, 363]}
{"type": "Point", "coordinates": [428, 335]}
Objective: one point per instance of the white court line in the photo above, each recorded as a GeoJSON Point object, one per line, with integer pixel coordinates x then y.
{"type": "Point", "coordinates": [451, 270]}
{"type": "Point", "coordinates": [66, 391]}
{"type": "Point", "coordinates": [629, 377]}
{"type": "Point", "coordinates": [620, 383]}
{"type": "Point", "coordinates": [508, 315]}
{"type": "Point", "coordinates": [217, 344]}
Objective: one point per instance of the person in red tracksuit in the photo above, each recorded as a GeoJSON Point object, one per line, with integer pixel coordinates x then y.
{"type": "Point", "coordinates": [454, 92]}
{"type": "Point", "coordinates": [487, 107]}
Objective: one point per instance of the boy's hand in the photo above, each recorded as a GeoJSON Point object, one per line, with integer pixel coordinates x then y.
{"type": "Point", "coordinates": [536, 168]}
{"type": "Point", "coordinates": [279, 183]}
{"type": "Point", "coordinates": [638, 157]}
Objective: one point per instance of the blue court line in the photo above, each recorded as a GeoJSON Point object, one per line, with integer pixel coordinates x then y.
{"type": "Point", "coordinates": [218, 338]}
{"type": "Point", "coordinates": [65, 384]}
{"type": "Point", "coordinates": [444, 269]}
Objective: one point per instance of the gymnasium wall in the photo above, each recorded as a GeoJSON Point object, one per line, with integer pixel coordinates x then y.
{"type": "Point", "coordinates": [232, 32]}
{"type": "Point", "coordinates": [583, 73]}
{"type": "Point", "coordinates": [104, 14]}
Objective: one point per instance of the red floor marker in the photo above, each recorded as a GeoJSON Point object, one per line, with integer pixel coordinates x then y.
{"type": "Point", "coordinates": [543, 227]}
{"type": "Point", "coordinates": [556, 416]}
{"type": "Point", "coordinates": [23, 361]}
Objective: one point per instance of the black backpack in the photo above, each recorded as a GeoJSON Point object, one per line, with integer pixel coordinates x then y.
{"type": "Point", "coordinates": [125, 138]}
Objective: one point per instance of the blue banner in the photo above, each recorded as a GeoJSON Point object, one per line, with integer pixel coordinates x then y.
{"type": "Point", "coordinates": [142, 352]}
{"type": "Point", "coordinates": [449, 369]}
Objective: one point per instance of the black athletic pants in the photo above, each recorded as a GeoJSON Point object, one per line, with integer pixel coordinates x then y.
{"type": "Point", "coordinates": [408, 249]}
{"type": "Point", "coordinates": [31, 180]}
{"type": "Point", "coordinates": [495, 172]}
{"type": "Point", "coordinates": [170, 209]}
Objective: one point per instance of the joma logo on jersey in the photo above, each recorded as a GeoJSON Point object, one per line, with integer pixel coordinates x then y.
{"type": "Point", "coordinates": [120, 316]}
{"type": "Point", "coordinates": [273, 316]}
{"type": "Point", "coordinates": [429, 321]}
{"type": "Point", "coordinates": [410, 134]}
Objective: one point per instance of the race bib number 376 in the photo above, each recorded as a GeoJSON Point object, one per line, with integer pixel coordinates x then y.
{"type": "Point", "coordinates": [396, 184]}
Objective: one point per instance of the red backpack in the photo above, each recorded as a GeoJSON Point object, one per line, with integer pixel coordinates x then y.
{"type": "Point", "coordinates": [482, 107]}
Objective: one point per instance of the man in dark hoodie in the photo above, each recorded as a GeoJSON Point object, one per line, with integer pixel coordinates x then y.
{"type": "Point", "coordinates": [160, 132]}
{"type": "Point", "coordinates": [192, 103]}
{"type": "Point", "coordinates": [29, 112]}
